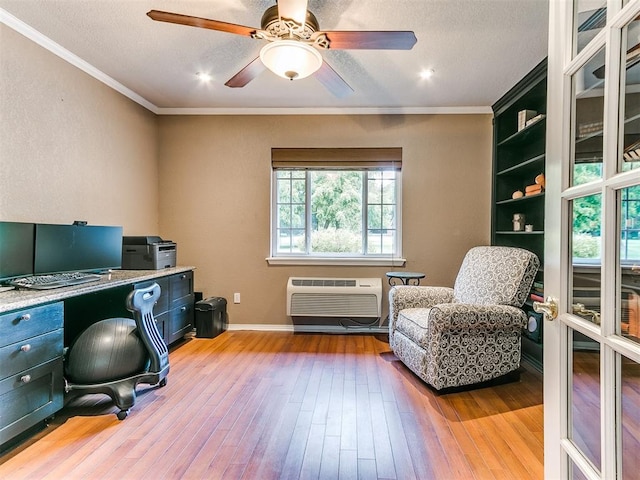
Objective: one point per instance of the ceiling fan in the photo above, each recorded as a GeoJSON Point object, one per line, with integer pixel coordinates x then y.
{"type": "Point", "coordinates": [294, 40]}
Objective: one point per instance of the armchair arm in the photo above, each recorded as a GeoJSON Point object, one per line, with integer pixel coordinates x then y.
{"type": "Point", "coordinates": [456, 317]}
{"type": "Point", "coordinates": [410, 296]}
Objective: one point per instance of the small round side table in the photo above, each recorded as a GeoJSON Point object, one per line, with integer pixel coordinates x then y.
{"type": "Point", "coordinates": [404, 278]}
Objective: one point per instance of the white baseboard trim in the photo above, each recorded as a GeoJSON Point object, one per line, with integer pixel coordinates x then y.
{"type": "Point", "coordinates": [305, 328]}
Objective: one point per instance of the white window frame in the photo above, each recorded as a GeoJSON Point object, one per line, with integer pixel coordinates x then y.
{"type": "Point", "coordinates": [385, 259]}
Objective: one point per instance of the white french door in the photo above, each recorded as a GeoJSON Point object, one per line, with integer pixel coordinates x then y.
{"type": "Point", "coordinates": [592, 241]}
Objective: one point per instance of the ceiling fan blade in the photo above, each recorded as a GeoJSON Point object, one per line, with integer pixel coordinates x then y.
{"type": "Point", "coordinates": [353, 40]}
{"type": "Point", "coordinates": [169, 17]}
{"type": "Point", "coordinates": [333, 82]}
{"type": "Point", "coordinates": [248, 73]}
{"type": "Point", "coordinates": [293, 9]}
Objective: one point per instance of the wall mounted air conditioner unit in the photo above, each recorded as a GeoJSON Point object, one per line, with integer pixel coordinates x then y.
{"type": "Point", "coordinates": [334, 297]}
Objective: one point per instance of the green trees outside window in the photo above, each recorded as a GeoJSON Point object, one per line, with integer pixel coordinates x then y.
{"type": "Point", "coordinates": [587, 218]}
{"type": "Point", "coordinates": [336, 212]}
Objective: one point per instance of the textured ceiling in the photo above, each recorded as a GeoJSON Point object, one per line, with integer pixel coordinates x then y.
{"type": "Point", "coordinates": [477, 48]}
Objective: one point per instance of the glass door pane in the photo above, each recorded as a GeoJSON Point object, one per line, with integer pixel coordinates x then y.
{"type": "Point", "coordinates": [590, 17]}
{"type": "Point", "coordinates": [588, 110]}
{"type": "Point", "coordinates": [628, 292]}
{"type": "Point", "coordinates": [586, 256]}
{"type": "Point", "coordinates": [576, 474]}
{"type": "Point", "coordinates": [630, 417]}
{"type": "Point", "coordinates": [630, 98]}
{"type": "Point", "coordinates": [585, 396]}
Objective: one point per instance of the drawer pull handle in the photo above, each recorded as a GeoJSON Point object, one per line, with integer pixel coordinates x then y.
{"type": "Point", "coordinates": [183, 309]}
{"type": "Point", "coordinates": [25, 378]}
{"type": "Point", "coordinates": [25, 348]}
{"type": "Point", "coordinates": [25, 317]}
{"type": "Point", "coordinates": [183, 277]}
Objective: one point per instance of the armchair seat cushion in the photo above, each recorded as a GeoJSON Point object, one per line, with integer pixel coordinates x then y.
{"type": "Point", "coordinates": [413, 323]}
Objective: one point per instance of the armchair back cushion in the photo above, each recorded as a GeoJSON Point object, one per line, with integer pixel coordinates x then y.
{"type": "Point", "coordinates": [495, 275]}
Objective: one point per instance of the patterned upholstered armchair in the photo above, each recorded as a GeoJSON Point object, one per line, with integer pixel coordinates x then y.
{"type": "Point", "coordinates": [471, 333]}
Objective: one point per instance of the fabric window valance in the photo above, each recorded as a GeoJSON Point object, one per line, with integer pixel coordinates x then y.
{"type": "Point", "coordinates": [337, 158]}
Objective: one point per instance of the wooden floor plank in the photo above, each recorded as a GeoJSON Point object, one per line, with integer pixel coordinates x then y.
{"type": "Point", "coordinates": [385, 467]}
{"type": "Point", "coordinates": [271, 405]}
{"type": "Point", "coordinates": [364, 426]}
{"type": "Point", "coordinates": [330, 466]}
{"type": "Point", "coordinates": [313, 452]}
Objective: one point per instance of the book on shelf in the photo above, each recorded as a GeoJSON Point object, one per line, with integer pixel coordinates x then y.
{"type": "Point", "coordinates": [524, 116]}
{"type": "Point", "coordinates": [537, 288]}
{"type": "Point", "coordinates": [533, 120]}
{"type": "Point", "coordinates": [536, 298]}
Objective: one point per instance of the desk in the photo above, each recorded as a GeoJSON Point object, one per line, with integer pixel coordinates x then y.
{"type": "Point", "coordinates": [35, 325]}
{"type": "Point", "coordinates": [406, 278]}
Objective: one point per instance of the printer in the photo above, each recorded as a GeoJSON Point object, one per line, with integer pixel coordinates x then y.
{"type": "Point", "coordinates": [147, 253]}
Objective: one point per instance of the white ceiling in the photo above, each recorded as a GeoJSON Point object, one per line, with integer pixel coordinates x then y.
{"type": "Point", "coordinates": [477, 48]}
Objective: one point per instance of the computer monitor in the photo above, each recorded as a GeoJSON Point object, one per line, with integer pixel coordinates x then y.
{"type": "Point", "coordinates": [75, 248]}
{"type": "Point", "coordinates": [16, 249]}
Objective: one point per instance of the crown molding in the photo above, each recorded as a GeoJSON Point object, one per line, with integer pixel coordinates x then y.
{"type": "Point", "coordinates": [57, 49]}
{"type": "Point", "coordinates": [328, 111]}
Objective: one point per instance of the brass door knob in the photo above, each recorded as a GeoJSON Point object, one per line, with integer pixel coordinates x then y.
{"type": "Point", "coordinates": [548, 308]}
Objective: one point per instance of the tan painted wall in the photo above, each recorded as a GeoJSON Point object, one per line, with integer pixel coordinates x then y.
{"type": "Point", "coordinates": [215, 196]}
{"type": "Point", "coordinates": [71, 148]}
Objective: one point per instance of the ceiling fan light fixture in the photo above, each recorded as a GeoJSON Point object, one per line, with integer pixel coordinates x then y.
{"type": "Point", "coordinates": [291, 59]}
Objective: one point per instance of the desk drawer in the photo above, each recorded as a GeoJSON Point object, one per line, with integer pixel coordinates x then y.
{"type": "Point", "coordinates": [30, 352]}
{"type": "Point", "coordinates": [181, 319]}
{"type": "Point", "coordinates": [26, 401]}
{"type": "Point", "coordinates": [22, 324]}
{"type": "Point", "coordinates": [181, 285]}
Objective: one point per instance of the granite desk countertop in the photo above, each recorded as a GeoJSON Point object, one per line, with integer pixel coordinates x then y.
{"type": "Point", "coordinates": [25, 298]}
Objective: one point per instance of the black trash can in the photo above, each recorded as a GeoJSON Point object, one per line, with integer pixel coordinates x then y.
{"type": "Point", "coordinates": [211, 316]}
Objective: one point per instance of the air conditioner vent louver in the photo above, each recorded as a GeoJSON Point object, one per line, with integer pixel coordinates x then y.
{"type": "Point", "coordinates": [334, 297]}
{"type": "Point", "coordinates": [323, 282]}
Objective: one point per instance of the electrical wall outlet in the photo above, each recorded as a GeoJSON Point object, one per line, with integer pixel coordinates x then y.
{"type": "Point", "coordinates": [236, 298]}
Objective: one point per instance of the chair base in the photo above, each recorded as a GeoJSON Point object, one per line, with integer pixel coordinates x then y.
{"type": "Point", "coordinates": [510, 377]}
{"type": "Point", "coordinates": [122, 391]}
{"type": "Point", "coordinates": [442, 374]}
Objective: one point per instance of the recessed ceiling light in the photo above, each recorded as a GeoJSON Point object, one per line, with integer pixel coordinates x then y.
{"type": "Point", "coordinates": [427, 73]}
{"type": "Point", "coordinates": [204, 77]}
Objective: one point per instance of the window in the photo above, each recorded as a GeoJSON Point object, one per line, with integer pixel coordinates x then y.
{"type": "Point", "coordinates": [327, 204]}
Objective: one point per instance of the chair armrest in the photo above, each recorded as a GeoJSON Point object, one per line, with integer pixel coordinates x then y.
{"type": "Point", "coordinates": [410, 296]}
{"type": "Point", "coordinates": [457, 317]}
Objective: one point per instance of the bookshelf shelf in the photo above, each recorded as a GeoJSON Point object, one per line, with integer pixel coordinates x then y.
{"type": "Point", "coordinates": [524, 134]}
{"type": "Point", "coordinates": [519, 200]}
{"type": "Point", "coordinates": [534, 164]}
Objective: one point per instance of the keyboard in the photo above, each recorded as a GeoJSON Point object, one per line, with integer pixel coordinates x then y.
{"type": "Point", "coordinates": [55, 280]}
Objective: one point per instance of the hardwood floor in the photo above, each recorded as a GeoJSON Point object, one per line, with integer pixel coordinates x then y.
{"type": "Point", "coordinates": [266, 405]}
